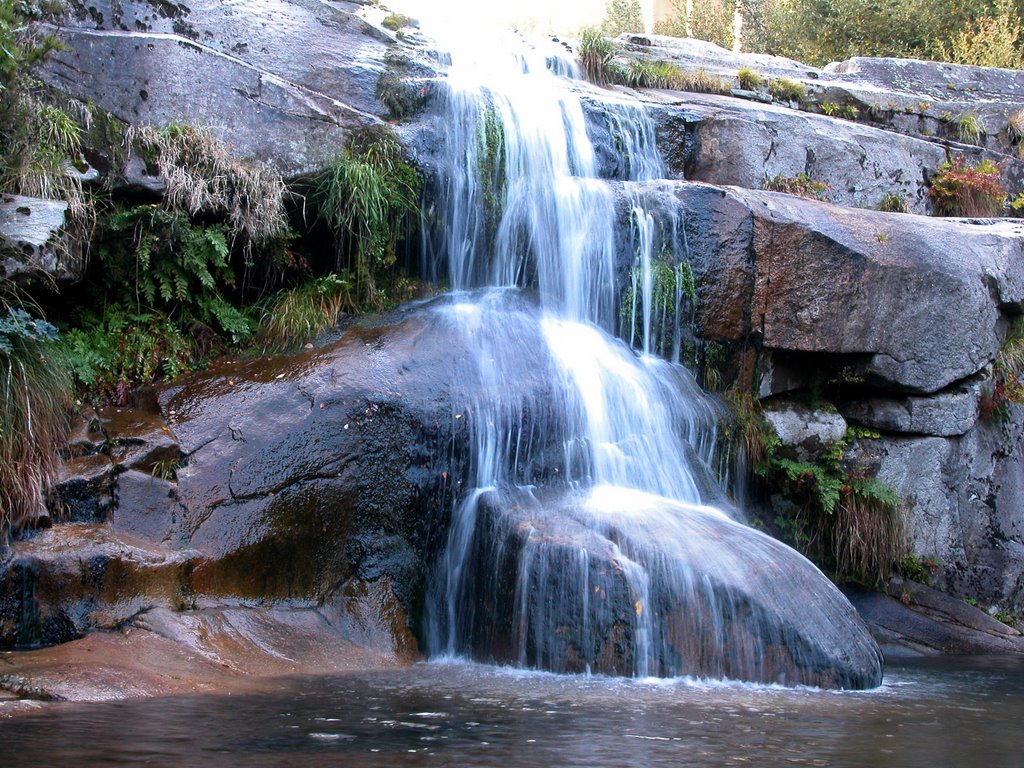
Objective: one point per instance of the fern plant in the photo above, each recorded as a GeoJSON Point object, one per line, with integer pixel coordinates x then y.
{"type": "Point", "coordinates": [172, 265]}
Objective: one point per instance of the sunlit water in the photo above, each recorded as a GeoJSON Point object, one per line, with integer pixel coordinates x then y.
{"type": "Point", "coordinates": [928, 714]}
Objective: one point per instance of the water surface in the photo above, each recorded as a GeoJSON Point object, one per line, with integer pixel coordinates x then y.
{"type": "Point", "coordinates": [928, 713]}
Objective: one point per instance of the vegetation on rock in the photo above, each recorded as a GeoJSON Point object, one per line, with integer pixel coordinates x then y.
{"type": "Point", "coordinates": [801, 185]}
{"type": "Point", "coordinates": [596, 53]}
{"type": "Point", "coordinates": [960, 189]}
{"type": "Point", "coordinates": [1006, 385]}
{"type": "Point", "coordinates": [34, 396]}
{"type": "Point", "coordinates": [831, 508]}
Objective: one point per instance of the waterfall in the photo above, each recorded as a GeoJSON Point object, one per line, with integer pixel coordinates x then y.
{"type": "Point", "coordinates": [587, 496]}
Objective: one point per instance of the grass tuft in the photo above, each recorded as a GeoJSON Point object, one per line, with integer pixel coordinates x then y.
{"type": "Point", "coordinates": [34, 396]}
{"type": "Point", "coordinates": [301, 314]}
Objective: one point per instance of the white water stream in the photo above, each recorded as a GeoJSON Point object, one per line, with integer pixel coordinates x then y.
{"type": "Point", "coordinates": [601, 555]}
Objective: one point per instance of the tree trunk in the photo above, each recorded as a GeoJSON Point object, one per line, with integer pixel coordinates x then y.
{"type": "Point", "coordinates": [737, 26]}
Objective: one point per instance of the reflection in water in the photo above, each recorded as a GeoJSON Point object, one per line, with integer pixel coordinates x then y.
{"type": "Point", "coordinates": [929, 713]}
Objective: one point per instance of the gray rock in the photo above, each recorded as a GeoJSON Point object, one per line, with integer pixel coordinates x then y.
{"type": "Point", "coordinates": [965, 495]}
{"type": "Point", "coordinates": [723, 140]}
{"type": "Point", "coordinates": [72, 578]}
{"type": "Point", "coordinates": [915, 618]}
{"type": "Point", "coordinates": [911, 303]}
{"type": "Point", "coordinates": [33, 240]}
{"type": "Point", "coordinates": [933, 79]}
{"type": "Point", "coordinates": [804, 431]}
{"type": "Point", "coordinates": [232, 67]}
{"type": "Point", "coordinates": [953, 411]}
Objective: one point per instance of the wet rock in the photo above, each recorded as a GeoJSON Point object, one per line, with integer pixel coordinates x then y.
{"type": "Point", "coordinates": [654, 588]}
{"type": "Point", "coordinates": [139, 439]}
{"type": "Point", "coordinates": [83, 492]}
{"type": "Point", "coordinates": [164, 653]}
{"type": "Point", "coordinates": [72, 578]}
{"type": "Point", "coordinates": [306, 471]}
{"type": "Point", "coordinates": [951, 412]}
{"type": "Point", "coordinates": [917, 619]}
{"type": "Point", "coordinates": [804, 431]}
{"type": "Point", "coordinates": [147, 507]}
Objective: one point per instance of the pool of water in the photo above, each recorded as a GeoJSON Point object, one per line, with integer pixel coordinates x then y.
{"type": "Point", "coordinates": [928, 713]}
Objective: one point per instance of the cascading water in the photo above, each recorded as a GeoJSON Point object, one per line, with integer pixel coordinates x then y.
{"type": "Point", "coordinates": [586, 536]}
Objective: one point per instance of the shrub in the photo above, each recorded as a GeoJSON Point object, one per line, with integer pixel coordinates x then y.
{"type": "Point", "coordinates": [1015, 126]}
{"type": "Point", "coordinates": [784, 89]}
{"type": "Point", "coordinates": [395, 21]}
{"type": "Point", "coordinates": [829, 108]}
{"type": "Point", "coordinates": [641, 73]}
{"type": "Point", "coordinates": [159, 260]}
{"type": "Point", "coordinates": [958, 189]}
{"type": "Point", "coordinates": [622, 16]}
{"type": "Point", "coordinates": [993, 40]}
{"type": "Point", "coordinates": [970, 128]}
{"type": "Point", "coordinates": [801, 185]}
{"type": "Point", "coordinates": [1006, 386]}
{"type": "Point", "coordinates": [749, 79]}
{"type": "Point", "coordinates": [109, 354]}
{"type": "Point", "coordinates": [365, 195]}
{"type": "Point", "coordinates": [34, 396]}
{"type": "Point", "coordinates": [850, 112]}
{"type": "Point", "coordinates": [595, 52]}
{"type": "Point", "coordinates": [893, 203]}
{"type": "Point", "coordinates": [842, 518]}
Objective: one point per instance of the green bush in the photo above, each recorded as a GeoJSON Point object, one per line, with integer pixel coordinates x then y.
{"type": "Point", "coordinates": [622, 16]}
{"type": "Point", "coordinates": [750, 80]}
{"type": "Point", "coordinates": [992, 40]}
{"type": "Point", "coordinates": [844, 519]}
{"type": "Point", "coordinates": [970, 128]}
{"type": "Point", "coordinates": [300, 314]}
{"type": "Point", "coordinates": [366, 195]}
{"type": "Point", "coordinates": [642, 73]}
{"type": "Point", "coordinates": [893, 203]}
{"type": "Point", "coordinates": [157, 259]}
{"type": "Point", "coordinates": [395, 21]}
{"type": "Point", "coordinates": [110, 353]}
{"type": "Point", "coordinates": [784, 89]}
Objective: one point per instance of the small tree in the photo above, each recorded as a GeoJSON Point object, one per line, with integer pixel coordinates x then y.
{"type": "Point", "coordinates": [623, 16]}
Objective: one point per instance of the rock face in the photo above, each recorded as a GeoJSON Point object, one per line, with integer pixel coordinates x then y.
{"type": "Point", "coordinates": [730, 141]}
{"type": "Point", "coordinates": [234, 67]}
{"type": "Point", "coordinates": [912, 303]}
{"type": "Point", "coordinates": [316, 480]}
{"type": "Point", "coordinates": [34, 242]}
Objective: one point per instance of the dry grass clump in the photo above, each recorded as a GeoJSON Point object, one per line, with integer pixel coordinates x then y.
{"type": "Point", "coordinates": [202, 176]}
